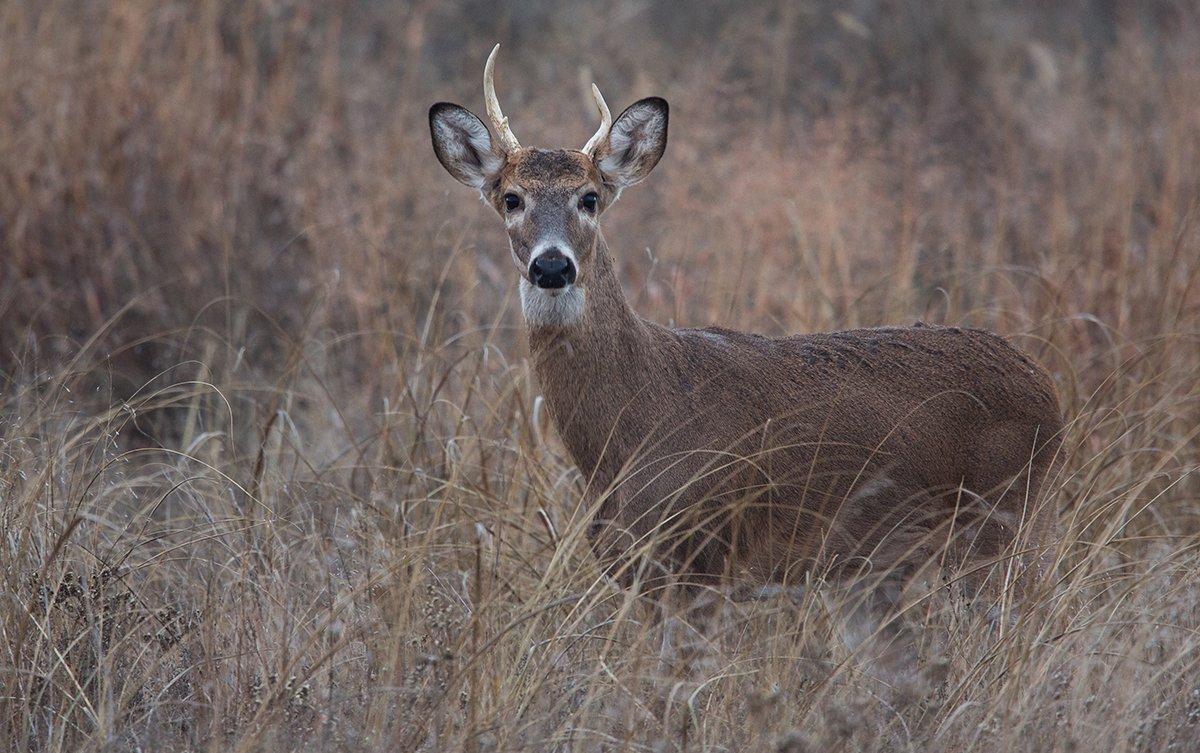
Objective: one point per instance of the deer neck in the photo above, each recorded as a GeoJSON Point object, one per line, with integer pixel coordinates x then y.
{"type": "Point", "coordinates": [591, 363]}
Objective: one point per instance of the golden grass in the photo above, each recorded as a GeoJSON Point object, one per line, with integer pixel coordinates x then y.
{"type": "Point", "coordinates": [272, 472]}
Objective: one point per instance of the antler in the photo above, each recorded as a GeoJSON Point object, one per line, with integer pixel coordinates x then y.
{"type": "Point", "coordinates": [605, 123]}
{"type": "Point", "coordinates": [508, 142]}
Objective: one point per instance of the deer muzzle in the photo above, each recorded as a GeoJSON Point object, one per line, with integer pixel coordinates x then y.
{"type": "Point", "coordinates": [552, 270]}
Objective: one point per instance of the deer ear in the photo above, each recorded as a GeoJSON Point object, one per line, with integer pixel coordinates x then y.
{"type": "Point", "coordinates": [462, 144]}
{"type": "Point", "coordinates": [635, 142]}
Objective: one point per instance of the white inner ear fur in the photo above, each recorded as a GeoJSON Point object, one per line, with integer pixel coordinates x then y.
{"type": "Point", "coordinates": [551, 308]}
{"type": "Point", "coordinates": [634, 134]}
{"type": "Point", "coordinates": [466, 142]}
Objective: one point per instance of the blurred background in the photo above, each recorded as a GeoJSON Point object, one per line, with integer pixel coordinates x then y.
{"type": "Point", "coordinates": [273, 470]}
{"type": "Point", "coordinates": [262, 171]}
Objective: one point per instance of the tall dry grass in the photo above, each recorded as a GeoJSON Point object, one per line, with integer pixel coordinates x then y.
{"type": "Point", "coordinates": [272, 472]}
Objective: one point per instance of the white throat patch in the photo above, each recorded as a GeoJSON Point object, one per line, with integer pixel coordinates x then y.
{"type": "Point", "coordinates": [551, 308]}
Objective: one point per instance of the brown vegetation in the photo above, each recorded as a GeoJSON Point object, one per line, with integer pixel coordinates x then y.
{"type": "Point", "coordinates": [273, 470]}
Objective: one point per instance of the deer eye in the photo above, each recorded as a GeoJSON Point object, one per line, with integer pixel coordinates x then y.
{"type": "Point", "coordinates": [512, 202]}
{"type": "Point", "coordinates": [589, 201]}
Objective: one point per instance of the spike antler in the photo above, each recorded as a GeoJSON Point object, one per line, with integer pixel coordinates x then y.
{"type": "Point", "coordinates": [605, 123]}
{"type": "Point", "coordinates": [508, 142]}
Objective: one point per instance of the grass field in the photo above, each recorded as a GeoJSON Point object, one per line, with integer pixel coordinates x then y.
{"type": "Point", "coordinates": [274, 473]}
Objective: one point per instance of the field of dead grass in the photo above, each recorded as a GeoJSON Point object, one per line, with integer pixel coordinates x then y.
{"type": "Point", "coordinates": [273, 474]}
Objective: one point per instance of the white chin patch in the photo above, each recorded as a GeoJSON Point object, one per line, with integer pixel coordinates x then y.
{"type": "Point", "coordinates": [544, 307]}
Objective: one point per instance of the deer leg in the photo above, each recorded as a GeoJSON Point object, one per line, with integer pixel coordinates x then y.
{"type": "Point", "coordinates": [687, 616]}
{"type": "Point", "coordinates": [1019, 527]}
{"type": "Point", "coordinates": [868, 610]}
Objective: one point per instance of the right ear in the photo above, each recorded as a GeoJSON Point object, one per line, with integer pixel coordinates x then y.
{"type": "Point", "coordinates": [635, 142]}
{"type": "Point", "coordinates": [463, 145]}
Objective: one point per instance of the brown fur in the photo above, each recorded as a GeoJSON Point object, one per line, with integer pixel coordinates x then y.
{"type": "Point", "coordinates": [549, 179]}
{"type": "Point", "coordinates": [724, 453]}
{"type": "Point", "coordinates": [784, 453]}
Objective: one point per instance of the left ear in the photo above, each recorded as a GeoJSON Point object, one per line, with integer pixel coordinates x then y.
{"type": "Point", "coordinates": [635, 142]}
{"type": "Point", "coordinates": [462, 144]}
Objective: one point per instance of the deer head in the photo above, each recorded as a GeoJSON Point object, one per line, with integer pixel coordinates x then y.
{"type": "Point", "coordinates": [550, 199]}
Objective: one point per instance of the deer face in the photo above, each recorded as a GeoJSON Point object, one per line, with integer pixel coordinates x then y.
{"type": "Point", "coordinates": [550, 199]}
{"type": "Point", "coordinates": [551, 202]}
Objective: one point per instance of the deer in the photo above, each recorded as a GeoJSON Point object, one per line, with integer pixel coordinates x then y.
{"type": "Point", "coordinates": [713, 456]}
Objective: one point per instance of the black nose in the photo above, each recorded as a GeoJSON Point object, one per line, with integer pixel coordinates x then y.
{"type": "Point", "coordinates": [552, 269]}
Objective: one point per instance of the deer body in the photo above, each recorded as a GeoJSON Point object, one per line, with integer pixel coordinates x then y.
{"type": "Point", "coordinates": [772, 454]}
{"type": "Point", "coordinates": [711, 453]}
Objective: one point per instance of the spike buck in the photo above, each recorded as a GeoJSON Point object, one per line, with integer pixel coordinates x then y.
{"type": "Point", "coordinates": [715, 457]}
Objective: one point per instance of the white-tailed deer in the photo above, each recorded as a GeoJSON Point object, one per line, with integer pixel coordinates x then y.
{"type": "Point", "coordinates": [715, 455]}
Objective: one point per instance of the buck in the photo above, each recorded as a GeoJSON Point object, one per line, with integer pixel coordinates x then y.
{"type": "Point", "coordinates": [712, 455]}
